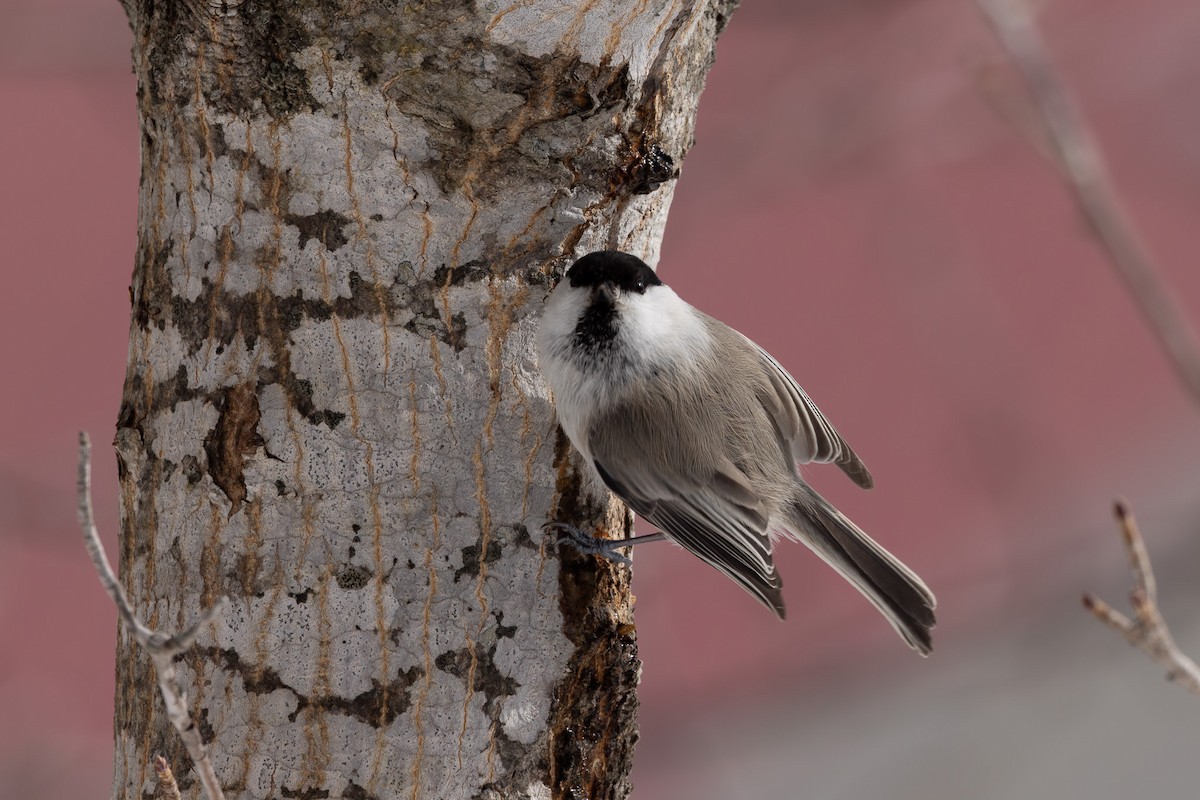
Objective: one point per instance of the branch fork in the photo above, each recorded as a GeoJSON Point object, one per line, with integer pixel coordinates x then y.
{"type": "Point", "coordinates": [1146, 630]}
{"type": "Point", "coordinates": [161, 647]}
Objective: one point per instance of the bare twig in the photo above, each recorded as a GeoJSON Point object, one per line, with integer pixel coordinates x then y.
{"type": "Point", "coordinates": [1147, 631]}
{"type": "Point", "coordinates": [166, 779]}
{"type": "Point", "coordinates": [1086, 174]}
{"type": "Point", "coordinates": [161, 647]}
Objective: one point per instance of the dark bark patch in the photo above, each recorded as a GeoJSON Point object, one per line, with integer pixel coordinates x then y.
{"type": "Point", "coordinates": [207, 734]}
{"type": "Point", "coordinates": [522, 538]}
{"type": "Point", "coordinates": [650, 169]}
{"type": "Point", "coordinates": [523, 763]}
{"type": "Point", "coordinates": [591, 88]}
{"type": "Point", "coordinates": [646, 165]}
{"type": "Point", "coordinates": [304, 794]}
{"type": "Point", "coordinates": [300, 395]}
{"type": "Point", "coordinates": [471, 557]}
{"type": "Point", "coordinates": [395, 33]}
{"type": "Point", "coordinates": [470, 272]}
{"type": "Point", "coordinates": [251, 49]}
{"type": "Point", "coordinates": [488, 678]}
{"type": "Point", "coordinates": [151, 271]}
{"type": "Point", "coordinates": [367, 298]}
{"type": "Point", "coordinates": [503, 631]}
{"type": "Point", "coordinates": [166, 394]}
{"type": "Point", "coordinates": [355, 792]}
{"type": "Point", "coordinates": [324, 226]}
{"type": "Point", "coordinates": [571, 100]}
{"type": "Point", "coordinates": [192, 469]}
{"type": "Point", "coordinates": [216, 317]}
{"type": "Point", "coordinates": [139, 525]}
{"type": "Point", "coordinates": [234, 437]}
{"type": "Point", "coordinates": [456, 332]}
{"type": "Point", "coordinates": [256, 679]}
{"type": "Point", "coordinates": [423, 298]}
{"type": "Point", "coordinates": [135, 705]}
{"type": "Point", "coordinates": [378, 706]}
{"type": "Point", "coordinates": [512, 753]}
{"type": "Point", "coordinates": [353, 577]}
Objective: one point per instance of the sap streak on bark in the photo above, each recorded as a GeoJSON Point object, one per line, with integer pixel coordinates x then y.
{"type": "Point", "coordinates": [350, 215]}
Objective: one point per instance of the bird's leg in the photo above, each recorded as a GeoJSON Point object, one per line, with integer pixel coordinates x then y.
{"type": "Point", "coordinates": [595, 546]}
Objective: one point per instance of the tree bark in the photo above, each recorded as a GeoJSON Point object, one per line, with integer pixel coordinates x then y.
{"type": "Point", "coordinates": [350, 214]}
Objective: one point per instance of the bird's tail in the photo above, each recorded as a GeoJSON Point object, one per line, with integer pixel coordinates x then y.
{"type": "Point", "coordinates": [891, 587]}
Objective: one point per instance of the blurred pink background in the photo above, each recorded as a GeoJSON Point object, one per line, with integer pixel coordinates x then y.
{"type": "Point", "coordinates": [863, 200]}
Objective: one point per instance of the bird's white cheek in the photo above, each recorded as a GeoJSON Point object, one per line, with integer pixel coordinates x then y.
{"type": "Point", "coordinates": [663, 329]}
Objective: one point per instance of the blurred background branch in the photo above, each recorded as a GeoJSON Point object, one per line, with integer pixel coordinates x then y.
{"type": "Point", "coordinates": [1084, 170]}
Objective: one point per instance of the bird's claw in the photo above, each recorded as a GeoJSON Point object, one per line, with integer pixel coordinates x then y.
{"type": "Point", "coordinates": [589, 545]}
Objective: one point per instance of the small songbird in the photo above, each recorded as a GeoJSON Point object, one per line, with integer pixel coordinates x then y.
{"type": "Point", "coordinates": [700, 431]}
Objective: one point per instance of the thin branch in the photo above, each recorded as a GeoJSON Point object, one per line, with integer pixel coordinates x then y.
{"type": "Point", "coordinates": [166, 779]}
{"type": "Point", "coordinates": [162, 648]}
{"type": "Point", "coordinates": [1147, 631]}
{"type": "Point", "coordinates": [1087, 176]}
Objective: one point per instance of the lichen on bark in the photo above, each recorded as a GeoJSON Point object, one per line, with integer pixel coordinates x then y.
{"type": "Point", "coordinates": [350, 214]}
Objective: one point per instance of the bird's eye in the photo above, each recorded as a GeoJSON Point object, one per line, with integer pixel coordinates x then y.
{"type": "Point", "coordinates": [639, 286]}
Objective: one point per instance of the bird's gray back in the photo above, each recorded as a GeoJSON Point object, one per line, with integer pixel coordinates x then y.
{"type": "Point", "coordinates": [682, 425]}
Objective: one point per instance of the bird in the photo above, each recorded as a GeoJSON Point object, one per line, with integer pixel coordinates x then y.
{"type": "Point", "coordinates": [701, 432]}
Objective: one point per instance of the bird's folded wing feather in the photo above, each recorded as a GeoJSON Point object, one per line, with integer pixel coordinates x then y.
{"type": "Point", "coordinates": [802, 427]}
{"type": "Point", "coordinates": [718, 518]}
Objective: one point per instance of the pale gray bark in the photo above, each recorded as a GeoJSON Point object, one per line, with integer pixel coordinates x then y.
{"type": "Point", "coordinates": [349, 217]}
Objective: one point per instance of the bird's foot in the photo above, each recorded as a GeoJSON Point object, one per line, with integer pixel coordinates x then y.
{"type": "Point", "coordinates": [590, 545]}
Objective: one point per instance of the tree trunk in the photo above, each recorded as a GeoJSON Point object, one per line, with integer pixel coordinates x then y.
{"type": "Point", "coordinates": [349, 217]}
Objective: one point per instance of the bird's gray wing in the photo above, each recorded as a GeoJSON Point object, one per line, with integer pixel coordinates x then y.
{"type": "Point", "coordinates": [717, 517]}
{"type": "Point", "coordinates": [802, 428]}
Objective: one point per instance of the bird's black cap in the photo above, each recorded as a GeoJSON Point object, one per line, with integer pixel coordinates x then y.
{"type": "Point", "coordinates": [626, 272]}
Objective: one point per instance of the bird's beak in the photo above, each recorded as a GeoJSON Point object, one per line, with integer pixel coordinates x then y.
{"type": "Point", "coordinates": [608, 291]}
